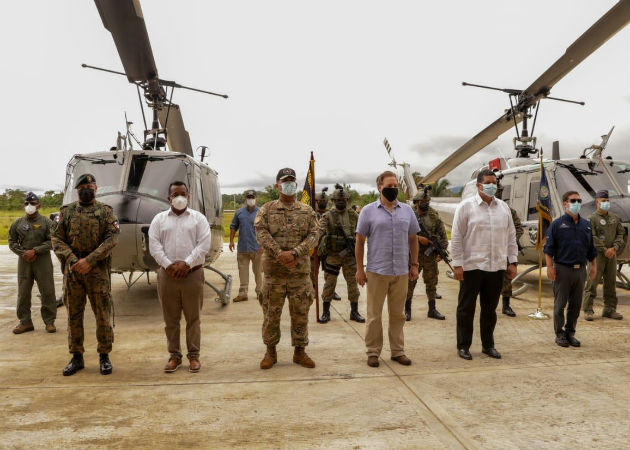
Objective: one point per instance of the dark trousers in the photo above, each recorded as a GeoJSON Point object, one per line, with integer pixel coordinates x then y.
{"type": "Point", "coordinates": [486, 285]}
{"type": "Point", "coordinates": [567, 291]}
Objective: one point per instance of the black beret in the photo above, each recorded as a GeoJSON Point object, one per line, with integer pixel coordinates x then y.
{"type": "Point", "coordinates": [86, 178]}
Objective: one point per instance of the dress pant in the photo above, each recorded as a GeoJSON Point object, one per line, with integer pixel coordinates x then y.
{"type": "Point", "coordinates": [567, 292]}
{"type": "Point", "coordinates": [243, 259]}
{"type": "Point", "coordinates": [394, 287]}
{"type": "Point", "coordinates": [177, 296]}
{"type": "Point", "coordinates": [486, 285]}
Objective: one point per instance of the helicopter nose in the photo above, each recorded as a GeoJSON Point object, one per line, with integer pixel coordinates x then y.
{"type": "Point", "coordinates": [125, 206]}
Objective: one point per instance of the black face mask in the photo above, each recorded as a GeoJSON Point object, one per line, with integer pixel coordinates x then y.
{"type": "Point", "coordinates": [322, 205]}
{"type": "Point", "coordinates": [86, 195]}
{"type": "Point", "coordinates": [423, 206]}
{"type": "Point", "coordinates": [390, 193]}
{"type": "Point", "coordinates": [340, 205]}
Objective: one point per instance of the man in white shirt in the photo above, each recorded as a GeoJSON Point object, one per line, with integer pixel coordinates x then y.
{"type": "Point", "coordinates": [179, 239]}
{"type": "Point", "coordinates": [483, 243]}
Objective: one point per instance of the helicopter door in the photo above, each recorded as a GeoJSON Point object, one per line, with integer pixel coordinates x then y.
{"type": "Point", "coordinates": [519, 194]}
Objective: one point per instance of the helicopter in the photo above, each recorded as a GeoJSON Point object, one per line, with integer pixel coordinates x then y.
{"type": "Point", "coordinates": [589, 172]}
{"type": "Point", "coordinates": [134, 182]}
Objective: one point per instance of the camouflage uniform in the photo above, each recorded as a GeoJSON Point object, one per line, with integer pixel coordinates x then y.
{"type": "Point", "coordinates": [507, 283]}
{"type": "Point", "coordinates": [607, 232]}
{"type": "Point", "coordinates": [431, 223]}
{"type": "Point", "coordinates": [34, 234]}
{"type": "Point", "coordinates": [319, 213]}
{"type": "Point", "coordinates": [331, 243]}
{"type": "Point", "coordinates": [89, 232]}
{"type": "Point", "coordinates": [279, 227]}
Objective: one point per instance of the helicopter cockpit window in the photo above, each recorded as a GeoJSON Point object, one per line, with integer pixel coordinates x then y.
{"type": "Point", "coordinates": [621, 172]}
{"type": "Point", "coordinates": [590, 179]}
{"type": "Point", "coordinates": [106, 170]}
{"type": "Point", "coordinates": [151, 175]}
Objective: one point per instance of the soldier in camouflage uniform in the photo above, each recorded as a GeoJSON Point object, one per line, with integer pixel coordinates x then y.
{"type": "Point", "coordinates": [85, 236]}
{"type": "Point", "coordinates": [29, 238]}
{"type": "Point", "coordinates": [609, 238]}
{"type": "Point", "coordinates": [321, 201]}
{"type": "Point", "coordinates": [506, 293]}
{"type": "Point", "coordinates": [286, 230]}
{"type": "Point", "coordinates": [431, 225]}
{"type": "Point", "coordinates": [336, 246]}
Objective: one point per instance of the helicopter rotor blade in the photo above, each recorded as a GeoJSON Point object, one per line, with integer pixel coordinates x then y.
{"type": "Point", "coordinates": [177, 137]}
{"type": "Point", "coordinates": [124, 20]}
{"type": "Point", "coordinates": [476, 143]}
{"type": "Point", "coordinates": [606, 27]}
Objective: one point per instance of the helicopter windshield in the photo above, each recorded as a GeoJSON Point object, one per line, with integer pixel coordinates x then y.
{"type": "Point", "coordinates": [106, 170]}
{"type": "Point", "coordinates": [590, 179]}
{"type": "Point", "coordinates": [154, 181]}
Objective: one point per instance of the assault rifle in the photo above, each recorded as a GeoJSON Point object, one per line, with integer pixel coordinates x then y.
{"type": "Point", "coordinates": [350, 244]}
{"type": "Point", "coordinates": [435, 247]}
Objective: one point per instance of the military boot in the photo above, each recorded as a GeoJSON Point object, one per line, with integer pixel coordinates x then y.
{"type": "Point", "coordinates": [611, 314]}
{"type": "Point", "coordinates": [433, 313]}
{"type": "Point", "coordinates": [105, 363]}
{"type": "Point", "coordinates": [408, 310]}
{"type": "Point", "coordinates": [23, 328]}
{"type": "Point", "coordinates": [270, 358]}
{"type": "Point", "coordinates": [326, 314]}
{"type": "Point", "coordinates": [507, 310]}
{"type": "Point", "coordinates": [354, 313]}
{"type": "Point", "coordinates": [336, 296]}
{"type": "Point", "coordinates": [300, 357]}
{"type": "Point", "coordinates": [75, 364]}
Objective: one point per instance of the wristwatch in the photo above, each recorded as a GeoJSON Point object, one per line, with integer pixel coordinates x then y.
{"type": "Point", "coordinates": [294, 253]}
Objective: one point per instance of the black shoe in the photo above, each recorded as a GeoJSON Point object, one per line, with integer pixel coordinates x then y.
{"type": "Point", "coordinates": [326, 314]}
{"type": "Point", "coordinates": [59, 303]}
{"type": "Point", "coordinates": [106, 364]}
{"type": "Point", "coordinates": [354, 313]}
{"type": "Point", "coordinates": [491, 352]}
{"type": "Point", "coordinates": [438, 296]}
{"type": "Point", "coordinates": [572, 341]}
{"type": "Point", "coordinates": [75, 364]}
{"type": "Point", "coordinates": [336, 296]}
{"type": "Point", "coordinates": [508, 311]}
{"type": "Point", "coordinates": [562, 341]}
{"type": "Point", "coordinates": [464, 353]}
{"type": "Point", "coordinates": [408, 310]}
{"type": "Point", "coordinates": [435, 314]}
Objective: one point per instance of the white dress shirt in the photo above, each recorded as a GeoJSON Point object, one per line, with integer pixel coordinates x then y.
{"type": "Point", "coordinates": [179, 238]}
{"type": "Point", "coordinates": [483, 236]}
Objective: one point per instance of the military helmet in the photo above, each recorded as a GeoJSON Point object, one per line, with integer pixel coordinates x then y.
{"type": "Point", "coordinates": [422, 194]}
{"type": "Point", "coordinates": [321, 195]}
{"type": "Point", "coordinates": [340, 193]}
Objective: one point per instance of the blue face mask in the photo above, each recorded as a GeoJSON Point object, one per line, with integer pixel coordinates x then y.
{"type": "Point", "coordinates": [288, 188]}
{"type": "Point", "coordinates": [489, 189]}
{"type": "Point", "coordinates": [575, 208]}
{"type": "Point", "coordinates": [605, 206]}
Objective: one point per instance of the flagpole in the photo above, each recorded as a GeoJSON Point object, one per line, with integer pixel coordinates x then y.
{"type": "Point", "coordinates": [315, 250]}
{"type": "Point", "coordinates": [539, 314]}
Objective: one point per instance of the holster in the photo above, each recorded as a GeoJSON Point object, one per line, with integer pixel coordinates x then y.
{"type": "Point", "coordinates": [331, 269]}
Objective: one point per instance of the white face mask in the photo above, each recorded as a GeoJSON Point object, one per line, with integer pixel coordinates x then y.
{"type": "Point", "coordinates": [251, 202]}
{"type": "Point", "coordinates": [30, 209]}
{"type": "Point", "coordinates": [288, 188]}
{"type": "Point", "coordinates": [180, 202]}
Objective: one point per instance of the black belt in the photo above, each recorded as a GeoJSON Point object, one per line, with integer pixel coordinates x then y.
{"type": "Point", "coordinates": [573, 266]}
{"type": "Point", "coordinates": [195, 268]}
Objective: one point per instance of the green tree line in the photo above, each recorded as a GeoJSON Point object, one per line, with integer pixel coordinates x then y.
{"type": "Point", "coordinates": [13, 199]}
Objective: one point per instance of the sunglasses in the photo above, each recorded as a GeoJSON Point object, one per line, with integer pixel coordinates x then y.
{"type": "Point", "coordinates": [575, 200]}
{"type": "Point", "coordinates": [31, 203]}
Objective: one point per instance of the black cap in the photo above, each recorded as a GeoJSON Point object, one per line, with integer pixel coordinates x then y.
{"type": "Point", "coordinates": [250, 193]}
{"type": "Point", "coordinates": [285, 173]}
{"type": "Point", "coordinates": [31, 197]}
{"type": "Point", "coordinates": [86, 178]}
{"type": "Point", "coordinates": [602, 194]}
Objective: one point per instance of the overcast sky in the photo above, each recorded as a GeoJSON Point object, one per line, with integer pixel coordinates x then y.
{"type": "Point", "coordinates": [335, 77]}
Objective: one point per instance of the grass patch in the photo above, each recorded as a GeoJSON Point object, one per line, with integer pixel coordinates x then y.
{"type": "Point", "coordinates": [7, 217]}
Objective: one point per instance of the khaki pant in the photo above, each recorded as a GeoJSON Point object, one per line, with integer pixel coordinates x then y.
{"type": "Point", "coordinates": [395, 289]}
{"type": "Point", "coordinates": [243, 259]}
{"type": "Point", "coordinates": [182, 295]}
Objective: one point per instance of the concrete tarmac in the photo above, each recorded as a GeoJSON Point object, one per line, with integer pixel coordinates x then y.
{"type": "Point", "coordinates": [538, 396]}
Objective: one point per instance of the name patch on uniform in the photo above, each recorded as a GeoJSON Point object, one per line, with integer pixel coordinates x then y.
{"type": "Point", "coordinates": [25, 227]}
{"type": "Point", "coordinates": [602, 221]}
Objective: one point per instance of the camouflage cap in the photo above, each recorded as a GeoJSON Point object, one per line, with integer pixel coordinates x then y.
{"type": "Point", "coordinates": [31, 197]}
{"type": "Point", "coordinates": [250, 193]}
{"type": "Point", "coordinates": [285, 173]}
{"type": "Point", "coordinates": [86, 178]}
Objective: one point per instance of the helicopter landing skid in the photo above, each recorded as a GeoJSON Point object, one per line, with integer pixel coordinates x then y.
{"type": "Point", "coordinates": [131, 281]}
{"type": "Point", "coordinates": [224, 294]}
{"type": "Point", "coordinates": [622, 280]}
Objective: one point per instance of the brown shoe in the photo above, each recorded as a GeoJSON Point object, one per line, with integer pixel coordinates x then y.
{"type": "Point", "coordinates": [612, 315]}
{"type": "Point", "coordinates": [240, 298]}
{"type": "Point", "coordinates": [23, 328]}
{"type": "Point", "coordinates": [173, 364]}
{"type": "Point", "coordinates": [402, 359]}
{"type": "Point", "coordinates": [51, 328]}
{"type": "Point", "coordinates": [372, 361]}
{"type": "Point", "coordinates": [270, 358]}
{"type": "Point", "coordinates": [300, 357]}
{"type": "Point", "coordinates": [589, 316]}
{"type": "Point", "coordinates": [195, 365]}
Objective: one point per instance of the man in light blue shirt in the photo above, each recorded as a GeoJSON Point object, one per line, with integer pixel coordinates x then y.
{"type": "Point", "coordinates": [391, 228]}
{"type": "Point", "coordinates": [247, 249]}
